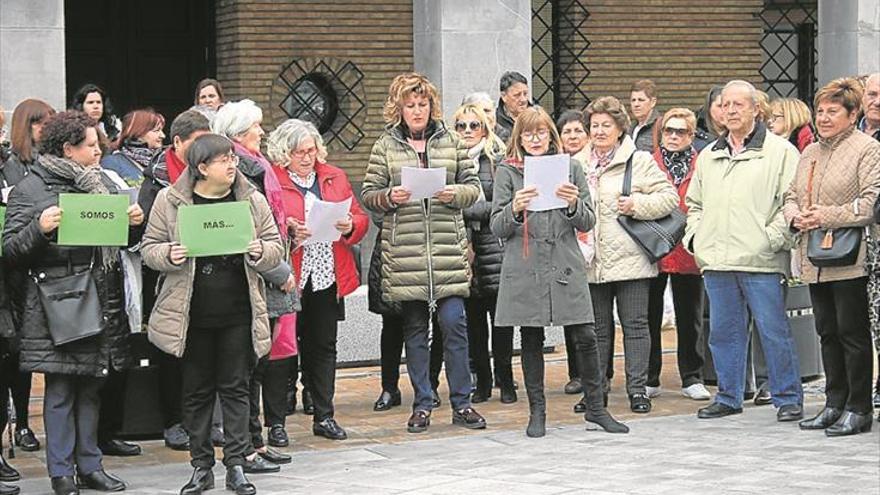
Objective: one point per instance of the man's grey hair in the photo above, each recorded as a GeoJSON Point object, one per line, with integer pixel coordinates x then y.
{"type": "Point", "coordinates": [477, 98]}
{"type": "Point", "coordinates": [872, 77]}
{"type": "Point", "coordinates": [739, 83]}
{"type": "Point", "coordinates": [235, 118]}
{"type": "Point", "coordinates": [288, 137]}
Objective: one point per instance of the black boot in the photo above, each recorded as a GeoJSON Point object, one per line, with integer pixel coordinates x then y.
{"type": "Point", "coordinates": [7, 472]}
{"type": "Point", "coordinates": [587, 356]}
{"type": "Point", "coordinates": [202, 480]}
{"type": "Point", "coordinates": [237, 482]}
{"type": "Point", "coordinates": [533, 375]}
{"type": "Point", "coordinates": [8, 489]}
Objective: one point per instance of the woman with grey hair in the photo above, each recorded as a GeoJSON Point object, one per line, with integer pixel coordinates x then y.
{"type": "Point", "coordinates": [326, 271]}
{"type": "Point", "coordinates": [485, 102]}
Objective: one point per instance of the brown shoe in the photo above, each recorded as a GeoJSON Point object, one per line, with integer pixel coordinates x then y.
{"type": "Point", "coordinates": [469, 418]}
{"type": "Point", "coordinates": [419, 421]}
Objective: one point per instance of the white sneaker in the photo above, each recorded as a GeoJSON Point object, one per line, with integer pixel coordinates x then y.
{"type": "Point", "coordinates": [696, 391]}
{"type": "Point", "coordinates": [652, 392]}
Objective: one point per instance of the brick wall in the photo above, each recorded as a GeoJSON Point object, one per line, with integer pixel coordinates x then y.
{"type": "Point", "coordinates": [684, 46]}
{"type": "Point", "coordinates": [257, 38]}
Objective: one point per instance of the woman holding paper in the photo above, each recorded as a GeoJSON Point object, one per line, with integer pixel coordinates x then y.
{"type": "Point", "coordinates": [424, 241]}
{"type": "Point", "coordinates": [618, 270]}
{"type": "Point", "coordinates": [219, 343]}
{"type": "Point", "coordinates": [74, 371]}
{"type": "Point", "coordinates": [543, 277]}
{"type": "Point", "coordinates": [325, 270]}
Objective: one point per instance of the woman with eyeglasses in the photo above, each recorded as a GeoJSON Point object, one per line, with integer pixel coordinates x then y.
{"type": "Point", "coordinates": [677, 158]}
{"type": "Point", "coordinates": [791, 118]}
{"type": "Point", "coordinates": [211, 311]}
{"type": "Point", "coordinates": [486, 150]}
{"type": "Point", "coordinates": [618, 269]}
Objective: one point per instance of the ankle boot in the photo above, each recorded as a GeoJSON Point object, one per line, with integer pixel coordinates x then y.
{"type": "Point", "coordinates": [533, 373]}
{"type": "Point", "coordinates": [587, 356]}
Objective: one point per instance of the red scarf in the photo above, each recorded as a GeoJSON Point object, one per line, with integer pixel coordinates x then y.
{"type": "Point", "coordinates": [175, 166]}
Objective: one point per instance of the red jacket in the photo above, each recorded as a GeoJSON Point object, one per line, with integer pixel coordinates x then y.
{"type": "Point", "coordinates": [334, 186]}
{"type": "Point", "coordinates": [679, 260]}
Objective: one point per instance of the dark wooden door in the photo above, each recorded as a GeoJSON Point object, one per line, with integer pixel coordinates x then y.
{"type": "Point", "coordinates": [144, 53]}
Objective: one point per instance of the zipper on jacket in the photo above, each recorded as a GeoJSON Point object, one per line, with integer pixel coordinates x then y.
{"type": "Point", "coordinates": [394, 229]}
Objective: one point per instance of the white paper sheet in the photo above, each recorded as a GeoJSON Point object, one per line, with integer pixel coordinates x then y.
{"type": "Point", "coordinates": [422, 182]}
{"type": "Point", "coordinates": [321, 220]}
{"type": "Point", "coordinates": [546, 173]}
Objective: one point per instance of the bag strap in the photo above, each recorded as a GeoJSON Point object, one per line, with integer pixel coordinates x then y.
{"type": "Point", "coordinates": [627, 176]}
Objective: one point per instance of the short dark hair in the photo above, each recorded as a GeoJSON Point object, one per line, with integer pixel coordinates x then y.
{"type": "Point", "coordinates": [571, 116]}
{"type": "Point", "coordinates": [510, 78]}
{"type": "Point", "coordinates": [204, 83]}
{"type": "Point", "coordinates": [64, 127]}
{"type": "Point", "coordinates": [187, 123]}
{"type": "Point", "coordinates": [107, 118]}
{"type": "Point", "coordinates": [646, 86]}
{"type": "Point", "coordinates": [204, 149]}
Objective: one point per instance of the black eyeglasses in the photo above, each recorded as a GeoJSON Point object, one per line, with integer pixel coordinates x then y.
{"type": "Point", "coordinates": [676, 131]}
{"type": "Point", "coordinates": [472, 125]}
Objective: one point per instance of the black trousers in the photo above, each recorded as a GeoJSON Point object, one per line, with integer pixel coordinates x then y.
{"type": "Point", "coordinates": [112, 402]}
{"type": "Point", "coordinates": [687, 298]}
{"type": "Point", "coordinates": [170, 392]}
{"type": "Point", "coordinates": [478, 309]}
{"type": "Point", "coordinates": [391, 348]}
{"type": "Point", "coordinates": [217, 362]}
{"type": "Point", "coordinates": [632, 309]}
{"type": "Point", "coordinates": [70, 416]}
{"type": "Point", "coordinates": [271, 378]}
{"type": "Point", "coordinates": [18, 383]}
{"type": "Point", "coordinates": [316, 330]}
{"type": "Point", "coordinates": [841, 311]}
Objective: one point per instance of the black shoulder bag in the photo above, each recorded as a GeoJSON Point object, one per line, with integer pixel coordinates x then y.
{"type": "Point", "coordinates": [657, 238]}
{"type": "Point", "coordinates": [831, 247]}
{"type": "Point", "coordinates": [71, 304]}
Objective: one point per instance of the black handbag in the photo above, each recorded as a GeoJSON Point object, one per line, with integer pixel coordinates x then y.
{"type": "Point", "coordinates": [834, 247]}
{"type": "Point", "coordinates": [657, 238]}
{"type": "Point", "coordinates": [71, 304]}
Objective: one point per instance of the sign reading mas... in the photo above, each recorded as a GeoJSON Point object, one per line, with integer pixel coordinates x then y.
{"type": "Point", "coordinates": [214, 230]}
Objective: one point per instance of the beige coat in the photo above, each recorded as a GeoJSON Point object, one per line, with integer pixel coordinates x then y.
{"type": "Point", "coordinates": [617, 256]}
{"type": "Point", "coordinates": [169, 321]}
{"type": "Point", "coordinates": [846, 181]}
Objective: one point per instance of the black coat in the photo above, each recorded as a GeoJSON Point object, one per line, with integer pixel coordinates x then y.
{"type": "Point", "coordinates": [375, 302]}
{"type": "Point", "coordinates": [488, 250]}
{"type": "Point", "coordinates": [25, 246]}
{"type": "Point", "coordinates": [14, 170]}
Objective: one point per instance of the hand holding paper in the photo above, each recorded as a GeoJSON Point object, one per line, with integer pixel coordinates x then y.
{"type": "Point", "coordinates": [322, 218]}
{"type": "Point", "coordinates": [546, 173]}
{"type": "Point", "coordinates": [422, 183]}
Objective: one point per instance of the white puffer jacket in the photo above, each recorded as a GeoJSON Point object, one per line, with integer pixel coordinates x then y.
{"type": "Point", "coordinates": [617, 256]}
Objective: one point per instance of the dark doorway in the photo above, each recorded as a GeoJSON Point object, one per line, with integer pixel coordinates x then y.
{"type": "Point", "coordinates": [144, 54]}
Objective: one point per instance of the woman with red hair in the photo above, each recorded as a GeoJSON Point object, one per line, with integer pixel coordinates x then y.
{"type": "Point", "coordinates": [138, 143]}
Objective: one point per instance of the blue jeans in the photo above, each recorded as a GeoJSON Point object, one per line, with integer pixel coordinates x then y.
{"type": "Point", "coordinates": [451, 316]}
{"type": "Point", "coordinates": [731, 296]}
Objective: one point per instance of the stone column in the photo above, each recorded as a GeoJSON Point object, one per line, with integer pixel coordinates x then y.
{"type": "Point", "coordinates": [32, 52]}
{"type": "Point", "coordinates": [465, 45]}
{"type": "Point", "coordinates": [849, 38]}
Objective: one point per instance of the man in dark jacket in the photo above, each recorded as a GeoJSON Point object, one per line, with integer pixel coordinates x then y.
{"type": "Point", "coordinates": [514, 99]}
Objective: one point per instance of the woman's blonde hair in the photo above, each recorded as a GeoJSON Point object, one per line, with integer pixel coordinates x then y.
{"type": "Point", "coordinates": [846, 91]}
{"type": "Point", "coordinates": [762, 105]}
{"type": "Point", "coordinates": [494, 147]}
{"type": "Point", "coordinates": [288, 136]}
{"type": "Point", "coordinates": [687, 115]}
{"type": "Point", "coordinates": [530, 120]}
{"type": "Point", "coordinates": [401, 88]}
{"type": "Point", "coordinates": [795, 113]}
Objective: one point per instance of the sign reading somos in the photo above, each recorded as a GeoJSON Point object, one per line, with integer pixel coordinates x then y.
{"type": "Point", "coordinates": [93, 219]}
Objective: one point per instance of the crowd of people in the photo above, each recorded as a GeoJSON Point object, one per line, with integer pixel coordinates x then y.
{"type": "Point", "coordinates": [765, 192]}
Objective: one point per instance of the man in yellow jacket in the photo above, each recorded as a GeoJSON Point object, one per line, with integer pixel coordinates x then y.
{"type": "Point", "coordinates": [739, 237]}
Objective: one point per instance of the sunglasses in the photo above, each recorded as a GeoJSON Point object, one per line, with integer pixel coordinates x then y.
{"type": "Point", "coordinates": [472, 125]}
{"type": "Point", "coordinates": [676, 131]}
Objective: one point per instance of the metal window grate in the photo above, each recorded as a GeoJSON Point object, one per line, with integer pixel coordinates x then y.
{"type": "Point", "coordinates": [559, 45]}
{"type": "Point", "coordinates": [789, 48]}
{"type": "Point", "coordinates": [327, 92]}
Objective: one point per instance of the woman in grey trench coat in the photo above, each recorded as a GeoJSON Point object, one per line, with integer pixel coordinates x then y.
{"type": "Point", "coordinates": [543, 275]}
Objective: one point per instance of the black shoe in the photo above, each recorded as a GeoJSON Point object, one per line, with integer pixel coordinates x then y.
{"type": "Point", "coordinates": [580, 407]}
{"type": "Point", "coordinates": [747, 396]}
{"type": "Point", "coordinates": [435, 399]}
{"type": "Point", "coordinates": [387, 400]}
{"type": "Point", "coordinates": [574, 386]}
{"type": "Point", "coordinates": [329, 429]}
{"type": "Point", "coordinates": [790, 412]}
{"type": "Point", "coordinates": [260, 466]}
{"type": "Point", "coordinates": [64, 485]}
{"type": "Point", "coordinates": [419, 421]}
{"type": "Point", "coordinates": [876, 397]}
{"type": "Point", "coordinates": [481, 395]}
{"type": "Point", "coordinates": [7, 472]}
{"type": "Point", "coordinates": [275, 457]}
{"type": "Point", "coordinates": [237, 482]}
{"type": "Point", "coordinates": [639, 403]}
{"type": "Point", "coordinates": [508, 394]}
{"type": "Point", "coordinates": [26, 440]}
{"type": "Point", "coordinates": [100, 481]}
{"type": "Point", "coordinates": [762, 398]}
{"type": "Point", "coordinates": [9, 489]}
{"type": "Point", "coordinates": [202, 480]}
{"type": "Point", "coordinates": [308, 405]}
{"type": "Point", "coordinates": [469, 418]}
{"type": "Point", "coordinates": [277, 436]}
{"type": "Point", "coordinates": [119, 448]}
{"type": "Point", "coordinates": [176, 438]}
{"type": "Point", "coordinates": [850, 423]}
{"type": "Point", "coordinates": [717, 410]}
{"type": "Point", "coordinates": [606, 421]}
{"type": "Point", "coordinates": [218, 438]}
{"type": "Point", "coordinates": [826, 417]}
